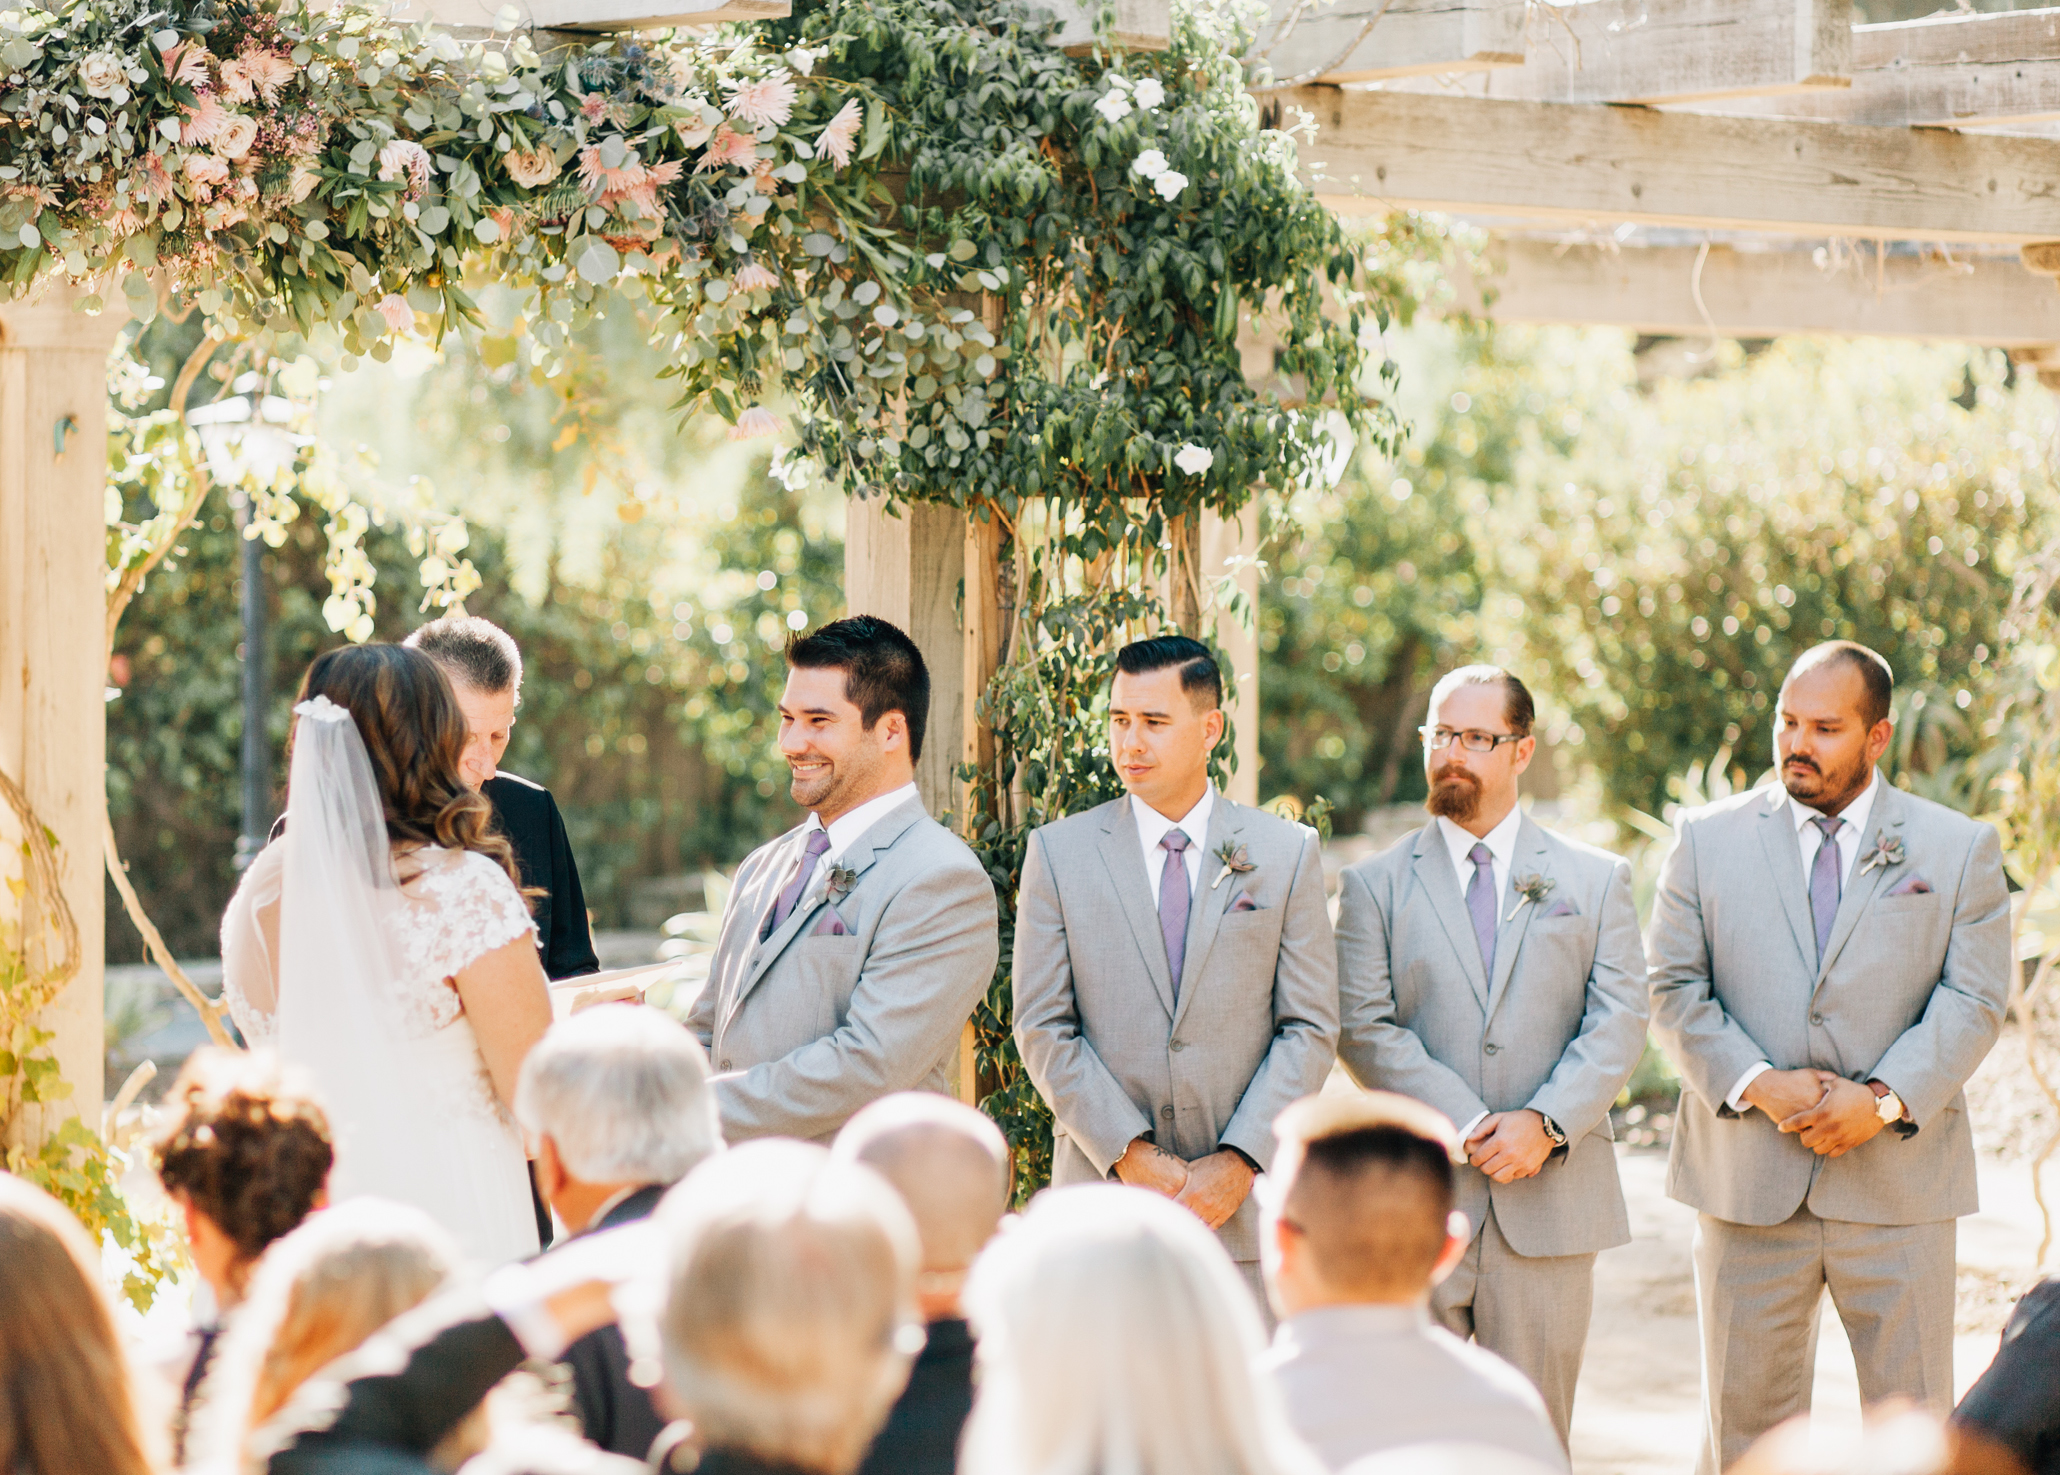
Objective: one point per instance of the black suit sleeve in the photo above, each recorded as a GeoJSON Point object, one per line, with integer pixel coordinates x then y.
{"type": "Point", "coordinates": [569, 949]}
{"type": "Point", "coordinates": [2016, 1403]}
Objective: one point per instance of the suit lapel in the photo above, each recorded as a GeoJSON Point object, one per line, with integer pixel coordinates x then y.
{"type": "Point", "coordinates": [1434, 874]}
{"type": "Point", "coordinates": [1885, 822]}
{"type": "Point", "coordinates": [1120, 853]}
{"type": "Point", "coordinates": [1784, 856]}
{"type": "Point", "coordinates": [1205, 911]}
{"type": "Point", "coordinates": [1530, 857]}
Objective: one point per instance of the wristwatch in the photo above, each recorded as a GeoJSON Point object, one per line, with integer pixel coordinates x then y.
{"type": "Point", "coordinates": [1553, 1132]}
{"type": "Point", "coordinates": [1887, 1105]}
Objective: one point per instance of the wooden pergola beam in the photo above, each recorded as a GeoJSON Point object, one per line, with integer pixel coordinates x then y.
{"type": "Point", "coordinates": [1681, 51]}
{"type": "Point", "coordinates": [1369, 40]}
{"type": "Point", "coordinates": [1576, 164]}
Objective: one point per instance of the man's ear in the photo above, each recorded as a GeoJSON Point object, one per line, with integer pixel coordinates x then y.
{"type": "Point", "coordinates": [551, 1176]}
{"type": "Point", "coordinates": [1212, 726]}
{"type": "Point", "coordinates": [894, 730]}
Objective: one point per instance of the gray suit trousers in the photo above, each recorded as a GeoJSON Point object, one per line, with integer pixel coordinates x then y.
{"type": "Point", "coordinates": [1532, 1311]}
{"type": "Point", "coordinates": [1758, 1290]}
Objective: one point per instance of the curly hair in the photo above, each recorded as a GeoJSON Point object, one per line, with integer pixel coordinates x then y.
{"type": "Point", "coordinates": [414, 733]}
{"type": "Point", "coordinates": [244, 1146]}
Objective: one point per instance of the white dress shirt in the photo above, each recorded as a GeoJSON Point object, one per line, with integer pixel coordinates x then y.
{"type": "Point", "coordinates": [1151, 829]}
{"type": "Point", "coordinates": [1852, 832]}
{"type": "Point", "coordinates": [1501, 843]}
{"type": "Point", "coordinates": [848, 826]}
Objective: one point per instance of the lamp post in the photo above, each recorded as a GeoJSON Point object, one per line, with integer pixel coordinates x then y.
{"type": "Point", "coordinates": [257, 692]}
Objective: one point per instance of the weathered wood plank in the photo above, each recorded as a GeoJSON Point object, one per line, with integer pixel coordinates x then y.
{"type": "Point", "coordinates": [1139, 25]}
{"type": "Point", "coordinates": [1407, 38]}
{"type": "Point", "coordinates": [906, 568]}
{"type": "Point", "coordinates": [593, 15]}
{"type": "Point", "coordinates": [1379, 151]}
{"type": "Point", "coordinates": [1678, 51]}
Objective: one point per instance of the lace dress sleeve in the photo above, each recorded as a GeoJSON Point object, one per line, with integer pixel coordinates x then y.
{"type": "Point", "coordinates": [476, 909]}
{"type": "Point", "coordinates": [250, 971]}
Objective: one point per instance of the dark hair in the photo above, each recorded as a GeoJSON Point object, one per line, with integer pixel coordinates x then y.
{"type": "Point", "coordinates": [477, 652]}
{"type": "Point", "coordinates": [1874, 671]}
{"type": "Point", "coordinates": [244, 1147]}
{"type": "Point", "coordinates": [883, 671]}
{"type": "Point", "coordinates": [1198, 669]}
{"type": "Point", "coordinates": [1518, 710]}
{"type": "Point", "coordinates": [1369, 1184]}
{"type": "Point", "coordinates": [1388, 1146]}
{"type": "Point", "coordinates": [414, 734]}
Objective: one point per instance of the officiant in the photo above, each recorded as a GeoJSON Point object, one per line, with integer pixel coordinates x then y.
{"type": "Point", "coordinates": [485, 670]}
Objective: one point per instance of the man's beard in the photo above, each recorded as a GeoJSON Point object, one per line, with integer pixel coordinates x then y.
{"type": "Point", "coordinates": [810, 793]}
{"type": "Point", "coordinates": [1818, 789]}
{"type": "Point", "coordinates": [1455, 794]}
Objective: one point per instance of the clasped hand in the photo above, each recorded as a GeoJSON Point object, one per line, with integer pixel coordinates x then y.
{"type": "Point", "coordinates": [1831, 1114]}
{"type": "Point", "coordinates": [1509, 1145]}
{"type": "Point", "coordinates": [1211, 1187]}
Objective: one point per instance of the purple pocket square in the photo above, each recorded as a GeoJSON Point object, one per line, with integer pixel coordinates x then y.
{"type": "Point", "coordinates": [831, 925]}
{"type": "Point", "coordinates": [1244, 903]}
{"type": "Point", "coordinates": [1913, 884]}
{"type": "Point", "coordinates": [1561, 908]}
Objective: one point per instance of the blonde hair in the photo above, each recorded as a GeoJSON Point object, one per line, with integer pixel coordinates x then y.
{"type": "Point", "coordinates": [1119, 1307]}
{"type": "Point", "coordinates": [789, 1320]}
{"type": "Point", "coordinates": [318, 1293]}
{"type": "Point", "coordinates": [67, 1405]}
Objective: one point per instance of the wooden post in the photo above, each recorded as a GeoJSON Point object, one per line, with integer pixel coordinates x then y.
{"type": "Point", "coordinates": [1183, 581]}
{"type": "Point", "coordinates": [53, 618]}
{"type": "Point", "coordinates": [982, 644]}
{"type": "Point", "coordinates": [1221, 542]}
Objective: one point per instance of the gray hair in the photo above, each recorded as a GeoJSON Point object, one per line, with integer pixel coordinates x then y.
{"type": "Point", "coordinates": [475, 652]}
{"type": "Point", "coordinates": [789, 1320]}
{"type": "Point", "coordinates": [947, 1160]}
{"type": "Point", "coordinates": [622, 1092]}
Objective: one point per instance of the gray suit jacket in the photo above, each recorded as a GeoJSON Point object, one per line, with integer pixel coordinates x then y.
{"type": "Point", "coordinates": [1106, 1042]}
{"type": "Point", "coordinates": [1558, 1029]}
{"type": "Point", "coordinates": [810, 1025]}
{"type": "Point", "coordinates": [1910, 992]}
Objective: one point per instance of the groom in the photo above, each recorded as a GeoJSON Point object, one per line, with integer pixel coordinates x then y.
{"type": "Point", "coordinates": [853, 948]}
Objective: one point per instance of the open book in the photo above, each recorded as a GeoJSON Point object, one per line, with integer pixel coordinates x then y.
{"type": "Point", "coordinates": [616, 986]}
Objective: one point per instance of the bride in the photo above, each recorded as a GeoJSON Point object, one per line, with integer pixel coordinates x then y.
{"type": "Point", "coordinates": [381, 944]}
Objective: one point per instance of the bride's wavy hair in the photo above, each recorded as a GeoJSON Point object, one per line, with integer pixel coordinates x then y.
{"type": "Point", "coordinates": [414, 733]}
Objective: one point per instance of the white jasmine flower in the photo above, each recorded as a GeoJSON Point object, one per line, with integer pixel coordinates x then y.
{"type": "Point", "coordinates": [1114, 106]}
{"type": "Point", "coordinates": [1194, 459]}
{"type": "Point", "coordinates": [1149, 92]}
{"type": "Point", "coordinates": [1151, 164]}
{"type": "Point", "coordinates": [1170, 184]}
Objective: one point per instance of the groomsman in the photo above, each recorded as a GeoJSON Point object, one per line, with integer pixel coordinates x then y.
{"type": "Point", "coordinates": [1829, 963]}
{"type": "Point", "coordinates": [1492, 968]}
{"type": "Point", "coordinates": [1175, 979]}
{"type": "Point", "coordinates": [853, 948]}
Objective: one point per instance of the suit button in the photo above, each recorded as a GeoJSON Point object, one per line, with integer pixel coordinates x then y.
{"type": "Point", "coordinates": [1180, 1044]}
{"type": "Point", "coordinates": [1166, 1112]}
{"type": "Point", "coordinates": [1491, 1049]}
{"type": "Point", "coordinates": [724, 1065]}
{"type": "Point", "coordinates": [1816, 1019]}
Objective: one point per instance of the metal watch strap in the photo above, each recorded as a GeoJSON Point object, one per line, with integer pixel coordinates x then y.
{"type": "Point", "coordinates": [1553, 1132]}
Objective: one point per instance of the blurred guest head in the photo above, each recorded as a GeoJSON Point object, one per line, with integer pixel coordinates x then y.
{"type": "Point", "coordinates": [1476, 744]}
{"type": "Point", "coordinates": [245, 1154]}
{"type": "Point", "coordinates": [1453, 1457]}
{"type": "Point", "coordinates": [789, 1317]}
{"type": "Point", "coordinates": [853, 714]}
{"type": "Point", "coordinates": [1362, 1193]}
{"type": "Point", "coordinates": [1895, 1438]}
{"type": "Point", "coordinates": [1119, 1308]}
{"type": "Point", "coordinates": [67, 1400]}
{"type": "Point", "coordinates": [615, 1098]}
{"type": "Point", "coordinates": [317, 1294]}
{"type": "Point", "coordinates": [1831, 723]}
{"type": "Point", "coordinates": [950, 1164]}
{"type": "Point", "coordinates": [485, 671]}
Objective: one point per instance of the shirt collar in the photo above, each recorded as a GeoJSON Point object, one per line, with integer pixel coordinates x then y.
{"type": "Point", "coordinates": [1501, 841]}
{"type": "Point", "coordinates": [1855, 813]}
{"type": "Point", "coordinates": [847, 827]}
{"type": "Point", "coordinates": [1358, 1319]}
{"type": "Point", "coordinates": [1152, 825]}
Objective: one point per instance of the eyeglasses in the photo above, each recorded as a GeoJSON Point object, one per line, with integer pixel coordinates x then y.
{"type": "Point", "coordinates": [1437, 739]}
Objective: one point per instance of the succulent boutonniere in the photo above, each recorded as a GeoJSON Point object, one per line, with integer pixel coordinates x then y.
{"type": "Point", "coordinates": [842, 879]}
{"type": "Point", "coordinates": [1886, 852]}
{"type": "Point", "coordinates": [1237, 860]}
{"type": "Point", "coordinates": [1531, 888]}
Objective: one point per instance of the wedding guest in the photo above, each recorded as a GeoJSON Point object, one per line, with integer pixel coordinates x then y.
{"type": "Point", "coordinates": [950, 1164]}
{"type": "Point", "coordinates": [1175, 978]}
{"type": "Point", "coordinates": [786, 1321]}
{"type": "Point", "coordinates": [2011, 1416]}
{"type": "Point", "coordinates": [1492, 968]}
{"type": "Point", "coordinates": [1830, 959]}
{"type": "Point", "coordinates": [1116, 1334]}
{"type": "Point", "coordinates": [853, 948]}
{"type": "Point", "coordinates": [485, 670]}
{"type": "Point", "coordinates": [382, 944]}
{"type": "Point", "coordinates": [68, 1399]}
{"type": "Point", "coordinates": [617, 1105]}
{"type": "Point", "coordinates": [245, 1155]}
{"type": "Point", "coordinates": [1365, 1227]}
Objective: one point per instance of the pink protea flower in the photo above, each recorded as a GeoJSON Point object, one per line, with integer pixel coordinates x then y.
{"type": "Point", "coordinates": [237, 81]}
{"type": "Point", "coordinates": [728, 147]}
{"type": "Point", "coordinates": [186, 65]}
{"type": "Point", "coordinates": [204, 123]}
{"type": "Point", "coordinates": [595, 108]}
{"type": "Point", "coordinates": [268, 71]}
{"type": "Point", "coordinates": [755, 422]}
{"type": "Point", "coordinates": [768, 101]}
{"type": "Point", "coordinates": [155, 187]}
{"type": "Point", "coordinates": [838, 135]}
{"type": "Point", "coordinates": [405, 156]}
{"type": "Point", "coordinates": [394, 308]}
{"type": "Point", "coordinates": [755, 278]}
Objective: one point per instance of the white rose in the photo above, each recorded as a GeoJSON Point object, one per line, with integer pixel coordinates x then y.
{"type": "Point", "coordinates": [1151, 164]}
{"type": "Point", "coordinates": [103, 75]}
{"type": "Point", "coordinates": [1114, 106]}
{"type": "Point", "coordinates": [1150, 92]}
{"type": "Point", "coordinates": [1194, 459]}
{"type": "Point", "coordinates": [237, 136]}
{"type": "Point", "coordinates": [1170, 184]}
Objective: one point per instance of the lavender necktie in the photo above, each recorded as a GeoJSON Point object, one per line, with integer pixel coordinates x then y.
{"type": "Point", "coordinates": [818, 842]}
{"type": "Point", "coordinates": [1173, 901]}
{"type": "Point", "coordinates": [1826, 881]}
{"type": "Point", "coordinates": [1480, 903]}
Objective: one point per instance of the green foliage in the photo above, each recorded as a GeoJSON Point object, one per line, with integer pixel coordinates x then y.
{"type": "Point", "coordinates": [77, 1169]}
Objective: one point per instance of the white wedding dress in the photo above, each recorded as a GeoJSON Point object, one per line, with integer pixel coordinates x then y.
{"type": "Point", "coordinates": [360, 997]}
